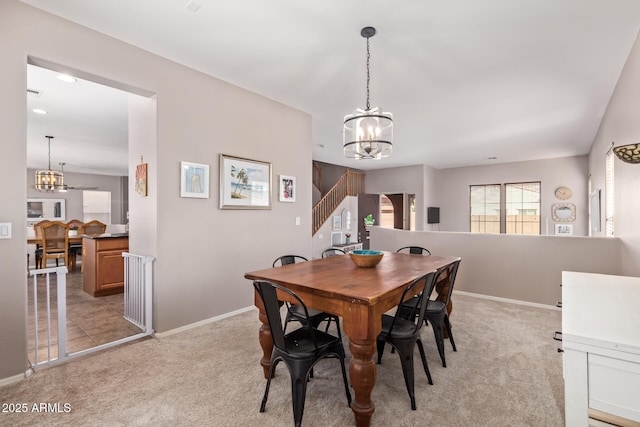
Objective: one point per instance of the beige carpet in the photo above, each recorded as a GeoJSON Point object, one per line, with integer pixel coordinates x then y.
{"type": "Point", "coordinates": [506, 372]}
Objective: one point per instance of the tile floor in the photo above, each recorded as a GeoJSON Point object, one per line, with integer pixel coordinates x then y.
{"type": "Point", "coordinates": [91, 321]}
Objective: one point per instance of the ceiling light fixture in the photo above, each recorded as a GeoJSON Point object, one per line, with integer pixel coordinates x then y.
{"type": "Point", "coordinates": [368, 133]}
{"type": "Point", "coordinates": [50, 180]}
{"type": "Point", "coordinates": [39, 111]}
{"type": "Point", "coordinates": [629, 153]}
{"type": "Point", "coordinates": [67, 78]}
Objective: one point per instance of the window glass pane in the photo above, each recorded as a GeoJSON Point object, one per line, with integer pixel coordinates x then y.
{"type": "Point", "coordinates": [484, 208]}
{"type": "Point", "coordinates": [523, 208]}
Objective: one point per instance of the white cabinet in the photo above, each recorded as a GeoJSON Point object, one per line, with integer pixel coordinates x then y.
{"type": "Point", "coordinates": [601, 342]}
{"type": "Point", "coordinates": [348, 247]}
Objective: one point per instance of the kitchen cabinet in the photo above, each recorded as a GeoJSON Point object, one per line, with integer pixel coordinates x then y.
{"type": "Point", "coordinates": [103, 264]}
{"type": "Point", "coordinates": [601, 343]}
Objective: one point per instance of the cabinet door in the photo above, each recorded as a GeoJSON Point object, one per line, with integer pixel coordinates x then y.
{"type": "Point", "coordinates": [110, 270]}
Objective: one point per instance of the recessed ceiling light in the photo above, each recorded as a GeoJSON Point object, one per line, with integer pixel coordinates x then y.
{"type": "Point", "coordinates": [67, 78]}
{"type": "Point", "coordinates": [492, 158]}
{"type": "Point", "coordinates": [39, 111]}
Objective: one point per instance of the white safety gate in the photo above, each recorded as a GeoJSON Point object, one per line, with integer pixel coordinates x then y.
{"type": "Point", "coordinates": [138, 308]}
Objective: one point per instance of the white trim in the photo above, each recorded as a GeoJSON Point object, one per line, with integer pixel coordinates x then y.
{"type": "Point", "coordinates": [16, 378]}
{"type": "Point", "coordinates": [512, 301]}
{"type": "Point", "coordinates": [203, 322]}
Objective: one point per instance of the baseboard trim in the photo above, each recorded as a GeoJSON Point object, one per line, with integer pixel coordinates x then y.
{"type": "Point", "coordinates": [512, 301]}
{"type": "Point", "coordinates": [16, 378]}
{"type": "Point", "coordinates": [203, 322]}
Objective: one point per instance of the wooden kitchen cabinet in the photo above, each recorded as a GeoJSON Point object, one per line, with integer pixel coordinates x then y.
{"type": "Point", "coordinates": [103, 264]}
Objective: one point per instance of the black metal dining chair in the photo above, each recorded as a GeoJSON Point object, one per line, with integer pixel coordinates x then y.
{"type": "Point", "coordinates": [403, 332]}
{"type": "Point", "coordinates": [300, 349]}
{"type": "Point", "coordinates": [332, 252]}
{"type": "Point", "coordinates": [294, 313]}
{"type": "Point", "coordinates": [436, 312]}
{"type": "Point", "coordinates": [416, 250]}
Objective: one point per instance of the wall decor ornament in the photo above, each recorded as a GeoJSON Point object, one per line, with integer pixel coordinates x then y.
{"type": "Point", "coordinates": [244, 183]}
{"type": "Point", "coordinates": [194, 180]}
{"type": "Point", "coordinates": [141, 179]}
{"type": "Point", "coordinates": [563, 212]}
{"type": "Point", "coordinates": [287, 188]}
{"type": "Point", "coordinates": [564, 229]}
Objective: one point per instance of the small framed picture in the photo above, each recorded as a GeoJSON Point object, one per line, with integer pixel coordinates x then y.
{"type": "Point", "coordinates": [194, 180]}
{"type": "Point", "coordinates": [336, 238]}
{"type": "Point", "coordinates": [287, 188]}
{"type": "Point", "coordinates": [337, 223]}
{"type": "Point", "coordinates": [564, 229]}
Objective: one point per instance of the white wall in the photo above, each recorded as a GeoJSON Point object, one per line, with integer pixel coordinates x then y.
{"type": "Point", "coordinates": [621, 124]}
{"type": "Point", "coordinates": [452, 189]}
{"type": "Point", "coordinates": [201, 252]}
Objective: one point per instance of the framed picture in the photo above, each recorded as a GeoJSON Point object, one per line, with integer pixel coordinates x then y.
{"type": "Point", "coordinates": [287, 188]}
{"type": "Point", "coordinates": [194, 180]}
{"type": "Point", "coordinates": [564, 229]}
{"type": "Point", "coordinates": [141, 179]}
{"type": "Point", "coordinates": [244, 183]}
{"type": "Point", "coordinates": [337, 223]}
{"type": "Point", "coordinates": [336, 238]}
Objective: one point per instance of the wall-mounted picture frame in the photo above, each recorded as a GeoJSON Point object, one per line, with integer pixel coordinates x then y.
{"type": "Point", "coordinates": [141, 179]}
{"type": "Point", "coordinates": [564, 229]}
{"type": "Point", "coordinates": [336, 238]}
{"type": "Point", "coordinates": [337, 223]}
{"type": "Point", "coordinates": [563, 212]}
{"type": "Point", "coordinates": [287, 188]}
{"type": "Point", "coordinates": [194, 180]}
{"type": "Point", "coordinates": [244, 183]}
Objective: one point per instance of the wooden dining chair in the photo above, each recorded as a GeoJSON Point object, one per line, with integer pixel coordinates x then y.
{"type": "Point", "coordinates": [37, 229]}
{"type": "Point", "coordinates": [93, 228]}
{"type": "Point", "coordinates": [75, 249]}
{"type": "Point", "coordinates": [55, 242]}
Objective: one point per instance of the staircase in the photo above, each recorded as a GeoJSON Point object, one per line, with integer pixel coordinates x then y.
{"type": "Point", "coordinates": [349, 184]}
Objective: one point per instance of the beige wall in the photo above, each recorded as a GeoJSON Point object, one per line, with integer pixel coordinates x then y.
{"type": "Point", "coordinates": [525, 268]}
{"type": "Point", "coordinates": [452, 189]}
{"type": "Point", "coordinates": [621, 124]}
{"type": "Point", "coordinates": [202, 252]}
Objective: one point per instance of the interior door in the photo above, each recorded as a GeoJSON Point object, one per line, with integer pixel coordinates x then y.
{"type": "Point", "coordinates": [367, 204]}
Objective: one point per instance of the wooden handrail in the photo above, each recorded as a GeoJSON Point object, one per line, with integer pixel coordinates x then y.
{"type": "Point", "coordinates": [351, 183]}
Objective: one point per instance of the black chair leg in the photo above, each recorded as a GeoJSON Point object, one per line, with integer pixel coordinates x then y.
{"type": "Point", "coordinates": [344, 378]}
{"type": "Point", "coordinates": [437, 324]}
{"type": "Point", "coordinates": [406, 359]}
{"type": "Point", "coordinates": [380, 345]}
{"type": "Point", "coordinates": [447, 325]}
{"type": "Point", "coordinates": [298, 390]}
{"type": "Point", "coordinates": [424, 361]}
{"type": "Point", "coordinates": [266, 390]}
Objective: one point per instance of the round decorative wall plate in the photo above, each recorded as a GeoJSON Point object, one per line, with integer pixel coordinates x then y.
{"type": "Point", "coordinates": [563, 212]}
{"type": "Point", "coordinates": [563, 193]}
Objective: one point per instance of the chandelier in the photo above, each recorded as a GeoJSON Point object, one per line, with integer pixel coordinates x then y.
{"type": "Point", "coordinates": [368, 133]}
{"type": "Point", "coordinates": [50, 180]}
{"type": "Point", "coordinates": [628, 153]}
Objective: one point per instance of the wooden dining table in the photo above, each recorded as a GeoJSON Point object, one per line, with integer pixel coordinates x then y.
{"type": "Point", "coordinates": [360, 296]}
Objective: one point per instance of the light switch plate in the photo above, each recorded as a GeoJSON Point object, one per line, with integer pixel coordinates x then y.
{"type": "Point", "coordinates": [5, 230]}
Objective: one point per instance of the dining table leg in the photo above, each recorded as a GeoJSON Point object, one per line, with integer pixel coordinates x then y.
{"type": "Point", "coordinates": [361, 323]}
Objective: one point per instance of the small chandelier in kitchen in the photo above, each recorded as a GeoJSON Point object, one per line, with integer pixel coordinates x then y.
{"type": "Point", "coordinates": [50, 180]}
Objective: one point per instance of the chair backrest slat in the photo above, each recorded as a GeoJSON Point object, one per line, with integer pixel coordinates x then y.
{"type": "Point", "coordinates": [288, 259]}
{"type": "Point", "coordinates": [415, 250]}
{"type": "Point", "coordinates": [451, 271]}
{"type": "Point", "coordinates": [419, 287]}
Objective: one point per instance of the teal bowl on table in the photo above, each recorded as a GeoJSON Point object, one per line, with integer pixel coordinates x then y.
{"type": "Point", "coordinates": [366, 258]}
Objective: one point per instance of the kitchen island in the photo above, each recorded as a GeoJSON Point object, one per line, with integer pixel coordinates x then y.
{"type": "Point", "coordinates": [102, 263]}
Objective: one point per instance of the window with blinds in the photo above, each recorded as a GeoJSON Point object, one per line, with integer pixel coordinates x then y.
{"type": "Point", "coordinates": [608, 191]}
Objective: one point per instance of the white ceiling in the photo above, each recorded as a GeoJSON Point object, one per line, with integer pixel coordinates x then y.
{"type": "Point", "coordinates": [465, 79]}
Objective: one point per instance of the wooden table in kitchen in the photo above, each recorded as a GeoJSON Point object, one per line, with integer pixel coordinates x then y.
{"type": "Point", "coordinates": [360, 296]}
